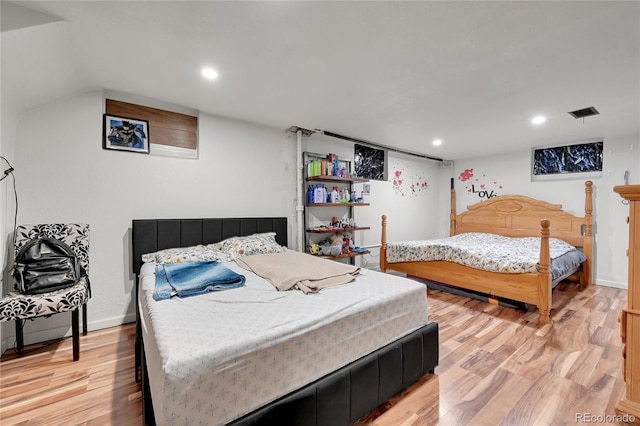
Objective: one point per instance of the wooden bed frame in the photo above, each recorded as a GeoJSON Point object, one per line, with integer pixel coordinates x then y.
{"type": "Point", "coordinates": [339, 398]}
{"type": "Point", "coordinates": [514, 216]}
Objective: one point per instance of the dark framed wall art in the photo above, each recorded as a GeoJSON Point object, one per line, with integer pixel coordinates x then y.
{"type": "Point", "coordinates": [369, 162]}
{"type": "Point", "coordinates": [125, 134]}
{"type": "Point", "coordinates": [567, 160]}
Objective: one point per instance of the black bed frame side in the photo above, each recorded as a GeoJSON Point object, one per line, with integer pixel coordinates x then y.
{"type": "Point", "coordinates": [345, 395]}
{"type": "Point", "coordinates": [340, 398]}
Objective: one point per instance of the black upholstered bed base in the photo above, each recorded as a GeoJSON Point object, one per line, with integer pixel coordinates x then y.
{"type": "Point", "coordinates": [341, 397]}
{"type": "Point", "coordinates": [345, 395]}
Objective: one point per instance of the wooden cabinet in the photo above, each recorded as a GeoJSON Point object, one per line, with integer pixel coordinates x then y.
{"type": "Point", "coordinates": [319, 214]}
{"type": "Point", "coordinates": [630, 316]}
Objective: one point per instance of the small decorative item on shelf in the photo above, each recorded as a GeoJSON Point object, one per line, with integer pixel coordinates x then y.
{"type": "Point", "coordinates": [334, 195]}
{"type": "Point", "coordinates": [347, 243]}
{"type": "Point", "coordinates": [344, 196]}
{"type": "Point", "coordinates": [336, 241]}
{"type": "Point", "coordinates": [333, 161]}
{"type": "Point", "coordinates": [325, 248]}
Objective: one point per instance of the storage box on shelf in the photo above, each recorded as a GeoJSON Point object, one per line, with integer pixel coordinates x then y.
{"type": "Point", "coordinates": [330, 227]}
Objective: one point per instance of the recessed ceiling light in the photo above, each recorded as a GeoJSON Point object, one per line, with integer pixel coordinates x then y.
{"type": "Point", "coordinates": [209, 73]}
{"type": "Point", "coordinates": [437, 142]}
{"type": "Point", "coordinates": [538, 119]}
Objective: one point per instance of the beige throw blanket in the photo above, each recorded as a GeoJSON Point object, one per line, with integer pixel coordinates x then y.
{"type": "Point", "coordinates": [301, 271]}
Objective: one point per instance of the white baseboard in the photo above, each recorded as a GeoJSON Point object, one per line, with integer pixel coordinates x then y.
{"type": "Point", "coordinates": [6, 344]}
{"type": "Point", "coordinates": [37, 336]}
{"type": "Point", "coordinates": [614, 284]}
{"type": "Point", "coordinates": [112, 322]}
{"type": "Point", "coordinates": [370, 246]}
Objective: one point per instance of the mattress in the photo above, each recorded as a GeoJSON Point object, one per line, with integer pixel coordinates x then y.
{"type": "Point", "coordinates": [215, 357]}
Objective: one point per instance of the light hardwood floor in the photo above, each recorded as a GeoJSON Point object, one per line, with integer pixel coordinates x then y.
{"type": "Point", "coordinates": [497, 366]}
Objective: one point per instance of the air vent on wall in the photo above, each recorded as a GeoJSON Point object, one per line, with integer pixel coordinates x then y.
{"type": "Point", "coordinates": [584, 112]}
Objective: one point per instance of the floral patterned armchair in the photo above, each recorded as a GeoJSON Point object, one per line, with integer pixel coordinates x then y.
{"type": "Point", "coordinates": [18, 307]}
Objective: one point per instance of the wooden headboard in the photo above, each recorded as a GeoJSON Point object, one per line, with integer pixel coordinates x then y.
{"type": "Point", "coordinates": [520, 216]}
{"type": "Point", "coordinates": [151, 235]}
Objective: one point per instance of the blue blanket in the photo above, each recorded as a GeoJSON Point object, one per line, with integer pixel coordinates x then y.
{"type": "Point", "coordinates": [190, 279]}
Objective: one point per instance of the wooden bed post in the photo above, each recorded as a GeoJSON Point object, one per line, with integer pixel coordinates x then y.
{"type": "Point", "coordinates": [383, 246]}
{"type": "Point", "coordinates": [452, 214]}
{"type": "Point", "coordinates": [544, 293]}
{"type": "Point", "coordinates": [587, 247]}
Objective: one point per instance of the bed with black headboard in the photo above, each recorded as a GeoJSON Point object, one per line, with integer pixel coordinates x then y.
{"type": "Point", "coordinates": [342, 396]}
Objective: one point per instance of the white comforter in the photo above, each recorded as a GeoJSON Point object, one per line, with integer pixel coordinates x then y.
{"type": "Point", "coordinates": [214, 357]}
{"type": "Point", "coordinates": [490, 252]}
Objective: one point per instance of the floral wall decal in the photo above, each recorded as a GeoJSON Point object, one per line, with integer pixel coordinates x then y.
{"type": "Point", "coordinates": [466, 175]}
{"type": "Point", "coordinates": [409, 182]}
{"type": "Point", "coordinates": [483, 187]}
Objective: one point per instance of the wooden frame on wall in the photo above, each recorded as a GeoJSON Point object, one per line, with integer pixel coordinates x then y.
{"type": "Point", "coordinates": [168, 127]}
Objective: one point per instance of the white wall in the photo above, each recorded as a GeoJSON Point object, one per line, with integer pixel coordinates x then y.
{"type": "Point", "coordinates": [64, 175]}
{"type": "Point", "coordinates": [7, 207]}
{"type": "Point", "coordinates": [511, 174]}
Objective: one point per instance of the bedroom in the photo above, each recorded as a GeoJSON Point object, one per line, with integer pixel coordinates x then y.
{"type": "Point", "coordinates": [48, 118]}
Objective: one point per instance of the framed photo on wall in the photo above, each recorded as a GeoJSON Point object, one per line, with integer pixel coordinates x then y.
{"type": "Point", "coordinates": [567, 160]}
{"type": "Point", "coordinates": [125, 134]}
{"type": "Point", "coordinates": [369, 162]}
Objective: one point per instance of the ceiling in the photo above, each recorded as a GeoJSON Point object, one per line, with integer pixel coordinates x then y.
{"type": "Point", "coordinates": [401, 74]}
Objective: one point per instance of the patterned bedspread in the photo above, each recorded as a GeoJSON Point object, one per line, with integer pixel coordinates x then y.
{"type": "Point", "coordinates": [490, 252]}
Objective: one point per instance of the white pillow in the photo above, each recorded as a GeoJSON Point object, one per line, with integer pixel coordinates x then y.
{"type": "Point", "coordinates": [235, 247]}
{"type": "Point", "coordinates": [199, 253]}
